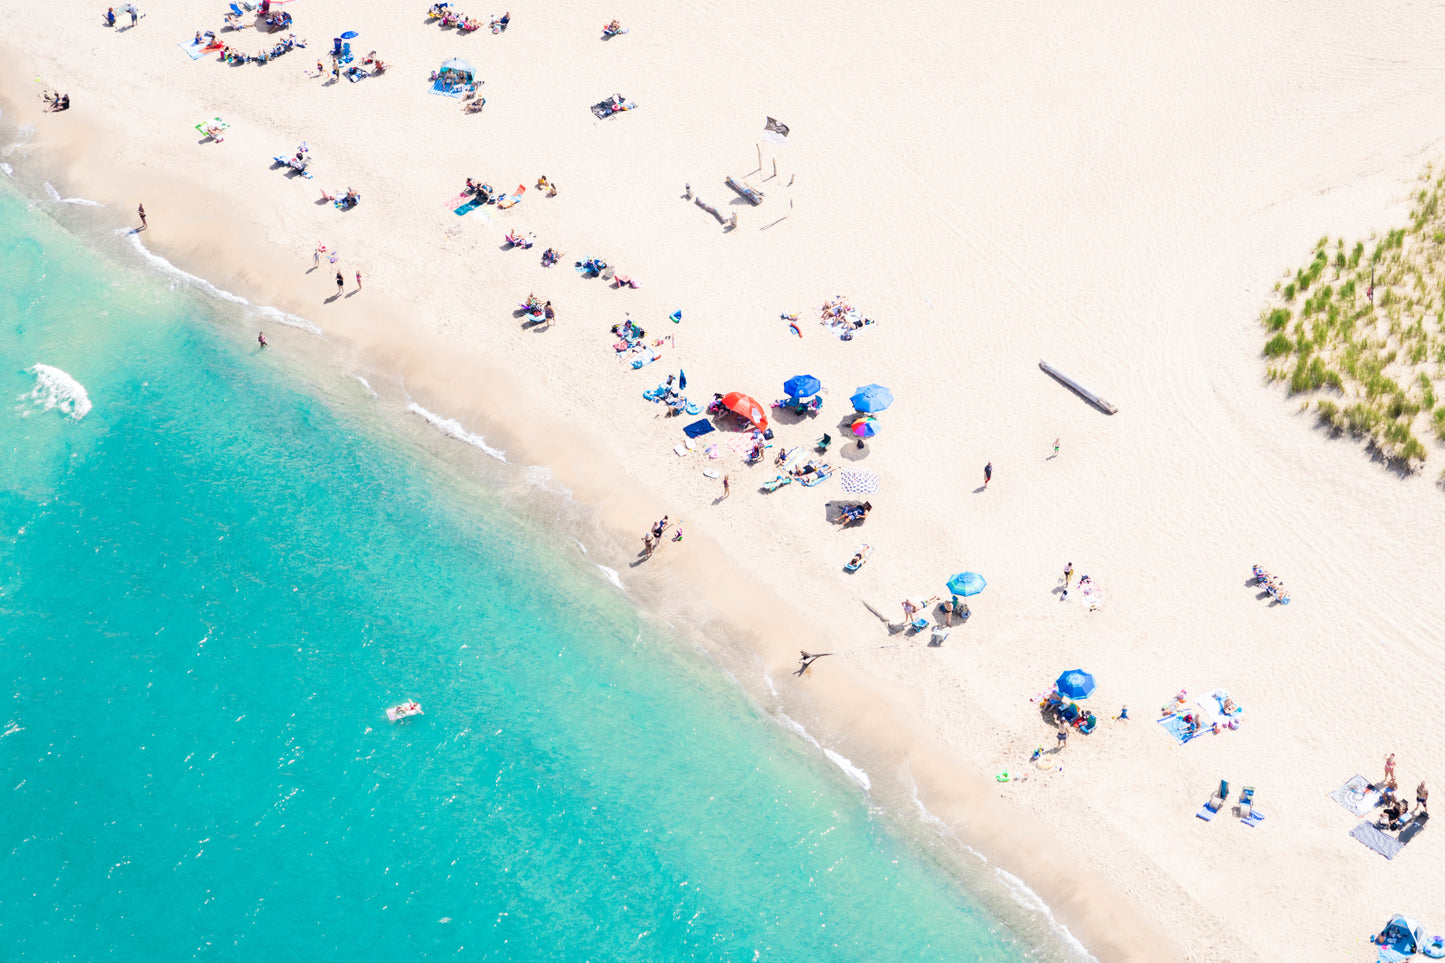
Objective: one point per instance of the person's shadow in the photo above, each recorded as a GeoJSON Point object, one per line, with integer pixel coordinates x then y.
{"type": "Point", "coordinates": [980, 488]}
{"type": "Point", "coordinates": [334, 297]}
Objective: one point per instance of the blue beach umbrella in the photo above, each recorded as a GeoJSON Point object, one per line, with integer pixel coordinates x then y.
{"type": "Point", "coordinates": [871, 398]}
{"type": "Point", "coordinates": [966, 584]}
{"type": "Point", "coordinates": [1075, 684]}
{"type": "Point", "coordinates": [349, 35]}
{"type": "Point", "coordinates": [802, 386]}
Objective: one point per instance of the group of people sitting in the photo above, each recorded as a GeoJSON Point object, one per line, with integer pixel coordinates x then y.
{"type": "Point", "coordinates": [1272, 584]}
{"type": "Point", "coordinates": [447, 17]}
{"type": "Point", "coordinates": [853, 513]}
{"type": "Point", "coordinates": [613, 29]}
{"type": "Point", "coordinates": [231, 55]}
{"type": "Point", "coordinates": [56, 102]}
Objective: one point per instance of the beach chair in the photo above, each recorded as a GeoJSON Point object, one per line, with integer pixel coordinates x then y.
{"type": "Point", "coordinates": [236, 10]}
{"type": "Point", "coordinates": [1245, 804]}
{"type": "Point", "coordinates": [938, 637]}
{"type": "Point", "coordinates": [863, 554]}
{"type": "Point", "coordinates": [824, 442]}
{"type": "Point", "coordinates": [1216, 802]}
{"type": "Point", "coordinates": [919, 623]}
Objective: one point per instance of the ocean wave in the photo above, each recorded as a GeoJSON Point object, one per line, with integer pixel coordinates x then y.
{"type": "Point", "coordinates": [836, 758]}
{"type": "Point", "coordinates": [54, 195]}
{"type": "Point", "coordinates": [612, 576]}
{"type": "Point", "coordinates": [166, 267]}
{"type": "Point", "coordinates": [1030, 900]}
{"type": "Point", "coordinates": [448, 426]}
{"type": "Point", "coordinates": [9, 171]}
{"type": "Point", "coordinates": [56, 389]}
{"type": "Point", "coordinates": [846, 764]}
{"type": "Point", "coordinates": [367, 385]}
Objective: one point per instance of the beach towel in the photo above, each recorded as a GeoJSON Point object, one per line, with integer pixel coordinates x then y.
{"type": "Point", "coordinates": [1373, 838]}
{"type": "Point", "coordinates": [698, 428]}
{"type": "Point", "coordinates": [445, 89]}
{"type": "Point", "coordinates": [647, 357]}
{"type": "Point", "coordinates": [1177, 728]}
{"type": "Point", "coordinates": [1357, 795]}
{"type": "Point", "coordinates": [193, 49]}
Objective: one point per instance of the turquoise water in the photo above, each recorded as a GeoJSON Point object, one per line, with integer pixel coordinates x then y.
{"type": "Point", "coordinates": [215, 581]}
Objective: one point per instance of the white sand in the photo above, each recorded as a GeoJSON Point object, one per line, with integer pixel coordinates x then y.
{"type": "Point", "coordinates": [1112, 187]}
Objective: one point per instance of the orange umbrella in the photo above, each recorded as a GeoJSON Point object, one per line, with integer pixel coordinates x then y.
{"type": "Point", "coordinates": [747, 407]}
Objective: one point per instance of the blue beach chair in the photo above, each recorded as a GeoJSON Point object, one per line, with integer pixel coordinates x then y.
{"type": "Point", "coordinates": [1216, 802]}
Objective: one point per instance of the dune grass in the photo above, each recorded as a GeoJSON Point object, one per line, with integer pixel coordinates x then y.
{"type": "Point", "coordinates": [1358, 332]}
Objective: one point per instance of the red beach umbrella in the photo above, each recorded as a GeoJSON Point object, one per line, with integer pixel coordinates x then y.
{"type": "Point", "coordinates": [747, 407]}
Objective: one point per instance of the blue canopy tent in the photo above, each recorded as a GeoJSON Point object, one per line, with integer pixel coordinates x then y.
{"type": "Point", "coordinates": [1401, 938]}
{"type": "Point", "coordinates": [871, 398]}
{"type": "Point", "coordinates": [459, 67]}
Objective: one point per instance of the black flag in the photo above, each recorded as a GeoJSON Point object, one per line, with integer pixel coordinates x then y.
{"type": "Point", "coordinates": [778, 128]}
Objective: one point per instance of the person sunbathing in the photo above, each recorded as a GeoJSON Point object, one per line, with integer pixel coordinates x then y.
{"type": "Point", "coordinates": [501, 24]}
{"type": "Point", "coordinates": [475, 107]}
{"type": "Point", "coordinates": [545, 185]}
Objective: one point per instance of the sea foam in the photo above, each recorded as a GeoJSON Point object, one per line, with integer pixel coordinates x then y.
{"type": "Point", "coordinates": [453, 428]}
{"type": "Point", "coordinates": [166, 267]}
{"type": "Point", "coordinates": [56, 389]}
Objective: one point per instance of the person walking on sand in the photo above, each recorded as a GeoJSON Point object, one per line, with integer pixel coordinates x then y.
{"type": "Point", "coordinates": [1421, 794]}
{"type": "Point", "coordinates": [1068, 575]}
{"type": "Point", "coordinates": [726, 490]}
{"type": "Point", "coordinates": [1390, 769]}
{"type": "Point", "coordinates": [340, 283]}
{"type": "Point", "coordinates": [1056, 449]}
{"type": "Point", "coordinates": [649, 544]}
{"type": "Point", "coordinates": [987, 474]}
{"type": "Point", "coordinates": [261, 339]}
{"type": "Point", "coordinates": [141, 210]}
{"type": "Point", "coordinates": [358, 280]}
{"type": "Point", "coordinates": [548, 313]}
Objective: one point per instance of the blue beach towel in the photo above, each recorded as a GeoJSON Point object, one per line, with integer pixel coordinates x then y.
{"type": "Point", "coordinates": [1177, 728]}
{"type": "Point", "coordinates": [700, 427]}
{"type": "Point", "coordinates": [193, 50]}
{"type": "Point", "coordinates": [444, 89]}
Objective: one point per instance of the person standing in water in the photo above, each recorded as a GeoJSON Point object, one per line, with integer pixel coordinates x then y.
{"type": "Point", "coordinates": [261, 339]}
{"type": "Point", "coordinates": [141, 210]}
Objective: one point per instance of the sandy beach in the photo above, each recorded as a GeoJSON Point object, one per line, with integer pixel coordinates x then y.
{"type": "Point", "coordinates": [1112, 189]}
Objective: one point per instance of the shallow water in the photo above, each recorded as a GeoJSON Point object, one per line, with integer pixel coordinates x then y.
{"type": "Point", "coordinates": [215, 580]}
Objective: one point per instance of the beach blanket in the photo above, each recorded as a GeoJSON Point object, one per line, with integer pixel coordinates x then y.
{"type": "Point", "coordinates": [447, 90]}
{"type": "Point", "coordinates": [742, 444]}
{"type": "Point", "coordinates": [700, 427]}
{"type": "Point", "coordinates": [1177, 728]}
{"type": "Point", "coordinates": [193, 49]}
{"type": "Point", "coordinates": [1372, 837]}
{"type": "Point", "coordinates": [1357, 795]}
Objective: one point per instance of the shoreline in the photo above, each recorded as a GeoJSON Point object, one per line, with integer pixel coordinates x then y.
{"type": "Point", "coordinates": [959, 793]}
{"type": "Point", "coordinates": [926, 708]}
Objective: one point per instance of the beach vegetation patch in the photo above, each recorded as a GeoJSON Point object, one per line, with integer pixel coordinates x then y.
{"type": "Point", "coordinates": [1359, 332]}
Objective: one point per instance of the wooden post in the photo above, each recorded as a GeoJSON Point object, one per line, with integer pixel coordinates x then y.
{"type": "Point", "coordinates": [775, 167]}
{"type": "Point", "coordinates": [760, 156]}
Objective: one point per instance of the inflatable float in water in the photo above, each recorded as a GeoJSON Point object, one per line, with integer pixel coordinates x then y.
{"type": "Point", "coordinates": [404, 710]}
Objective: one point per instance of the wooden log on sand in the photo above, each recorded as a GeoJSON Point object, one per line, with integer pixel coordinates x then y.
{"type": "Point", "coordinates": [1078, 389]}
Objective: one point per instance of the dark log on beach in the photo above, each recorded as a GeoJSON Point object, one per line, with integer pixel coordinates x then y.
{"type": "Point", "coordinates": [1078, 389]}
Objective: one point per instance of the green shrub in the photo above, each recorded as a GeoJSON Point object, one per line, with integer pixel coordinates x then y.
{"type": "Point", "coordinates": [1277, 319]}
{"type": "Point", "coordinates": [1278, 345]}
